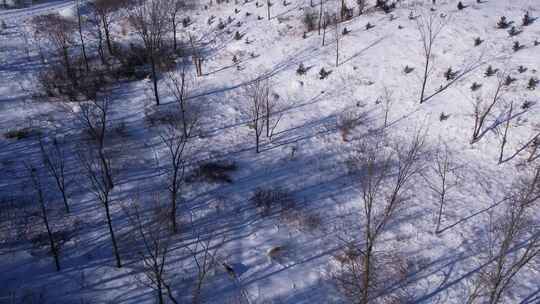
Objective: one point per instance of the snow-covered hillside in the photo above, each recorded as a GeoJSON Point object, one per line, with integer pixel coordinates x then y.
{"type": "Point", "coordinates": [288, 224]}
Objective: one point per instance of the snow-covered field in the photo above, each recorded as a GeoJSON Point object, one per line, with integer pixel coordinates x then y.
{"type": "Point", "coordinates": [308, 155]}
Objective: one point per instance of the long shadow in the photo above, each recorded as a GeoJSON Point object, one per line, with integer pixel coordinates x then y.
{"type": "Point", "coordinates": [461, 221]}
{"type": "Point", "coordinates": [374, 43]}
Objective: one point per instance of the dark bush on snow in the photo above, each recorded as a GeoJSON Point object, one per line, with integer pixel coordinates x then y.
{"type": "Point", "coordinates": [268, 200]}
{"type": "Point", "coordinates": [214, 171]}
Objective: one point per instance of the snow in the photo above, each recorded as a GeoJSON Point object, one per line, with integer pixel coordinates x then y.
{"type": "Point", "coordinates": [317, 174]}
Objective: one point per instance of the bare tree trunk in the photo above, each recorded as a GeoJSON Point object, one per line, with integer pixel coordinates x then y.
{"type": "Point", "coordinates": [425, 78]}
{"type": "Point", "coordinates": [113, 237]}
{"type": "Point", "coordinates": [320, 16]}
{"type": "Point", "coordinates": [41, 200]}
{"type": "Point", "coordinates": [54, 161]}
{"type": "Point", "coordinates": [154, 76]}
{"type": "Point", "coordinates": [429, 28]}
{"type": "Point", "coordinates": [105, 22]}
{"type": "Point", "coordinates": [337, 42]}
{"type": "Point", "coordinates": [481, 114]}
{"type": "Point", "coordinates": [366, 282]}
{"type": "Point", "coordinates": [325, 24]}
{"type": "Point", "coordinates": [81, 37]}
{"type": "Point", "coordinates": [505, 133]}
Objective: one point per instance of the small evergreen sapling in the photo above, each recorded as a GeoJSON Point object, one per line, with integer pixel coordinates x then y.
{"type": "Point", "coordinates": [475, 86]}
{"type": "Point", "coordinates": [517, 46]}
{"type": "Point", "coordinates": [490, 71]}
{"type": "Point", "coordinates": [513, 31]}
{"type": "Point", "coordinates": [509, 80]}
{"type": "Point", "coordinates": [533, 83]}
{"type": "Point", "coordinates": [503, 23]}
{"type": "Point", "coordinates": [301, 70]}
{"type": "Point", "coordinates": [407, 69]}
{"type": "Point", "coordinates": [323, 73]}
{"type": "Point", "coordinates": [237, 36]}
{"type": "Point", "coordinates": [478, 41]}
{"type": "Point", "coordinates": [450, 74]}
{"type": "Point", "coordinates": [444, 116]}
{"type": "Point", "coordinates": [527, 19]}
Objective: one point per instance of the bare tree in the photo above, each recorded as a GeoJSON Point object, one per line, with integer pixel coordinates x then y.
{"type": "Point", "coordinates": [98, 173]}
{"type": "Point", "coordinates": [336, 27]}
{"type": "Point", "coordinates": [445, 180]}
{"type": "Point", "coordinates": [320, 17]}
{"type": "Point", "coordinates": [175, 139]}
{"type": "Point", "coordinates": [534, 148]}
{"type": "Point", "coordinates": [327, 20]}
{"type": "Point", "coordinates": [513, 244]}
{"type": "Point", "coordinates": [59, 32]}
{"type": "Point", "coordinates": [482, 110]}
{"type": "Point", "coordinates": [204, 251]}
{"type": "Point", "coordinates": [54, 160]}
{"type": "Point", "coordinates": [272, 112]}
{"type": "Point", "coordinates": [150, 21]}
{"type": "Point", "coordinates": [105, 9]}
{"type": "Point", "coordinates": [430, 26]}
{"type": "Point", "coordinates": [38, 188]}
{"type": "Point", "coordinates": [361, 6]}
{"type": "Point", "coordinates": [196, 56]}
{"type": "Point", "coordinates": [95, 21]}
{"type": "Point", "coordinates": [96, 159]}
{"type": "Point", "coordinates": [387, 101]}
{"type": "Point", "coordinates": [94, 118]}
{"type": "Point", "coordinates": [175, 8]}
{"type": "Point", "coordinates": [532, 143]}
{"type": "Point", "coordinates": [81, 36]}
{"type": "Point", "coordinates": [385, 175]}
{"type": "Point", "coordinates": [504, 135]}
{"type": "Point", "coordinates": [180, 85]}
{"type": "Point", "coordinates": [257, 94]}
{"type": "Point", "coordinates": [268, 5]}
{"type": "Point", "coordinates": [154, 246]}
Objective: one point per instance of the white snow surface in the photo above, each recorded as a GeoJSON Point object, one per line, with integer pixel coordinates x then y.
{"type": "Point", "coordinates": [317, 175]}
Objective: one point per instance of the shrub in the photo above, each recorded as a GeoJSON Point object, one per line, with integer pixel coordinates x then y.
{"type": "Point", "coordinates": [214, 171]}
{"type": "Point", "coordinates": [310, 20]}
{"type": "Point", "coordinates": [21, 133]}
{"type": "Point", "coordinates": [346, 122]}
{"type": "Point", "coordinates": [267, 200]}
